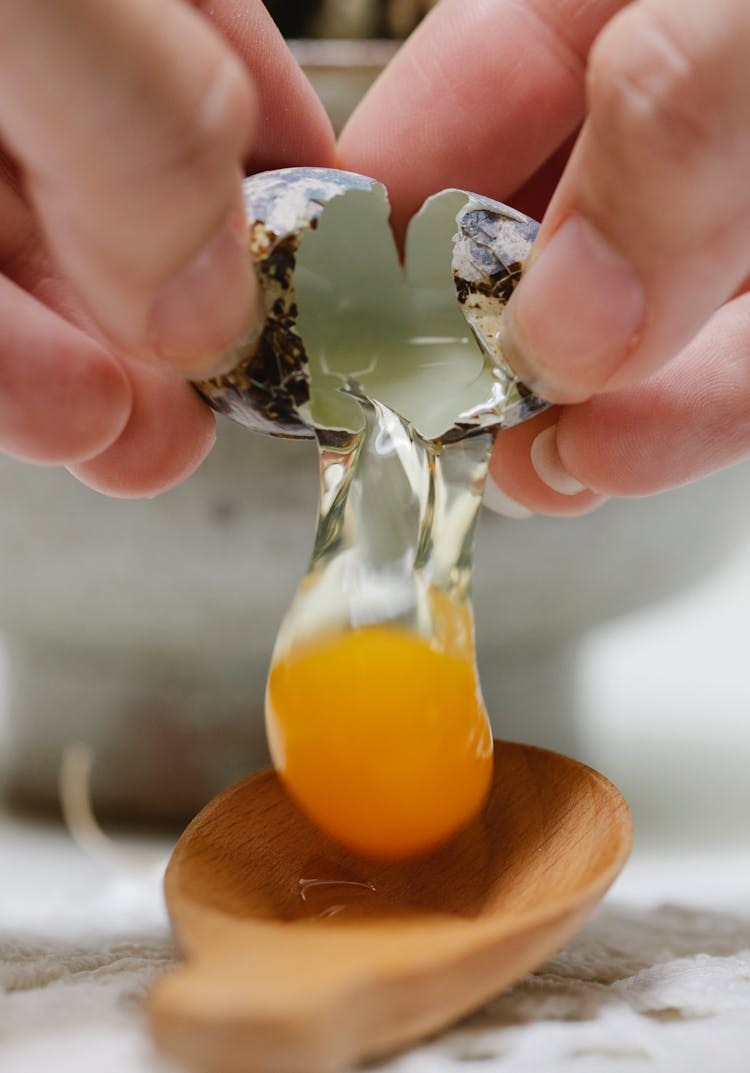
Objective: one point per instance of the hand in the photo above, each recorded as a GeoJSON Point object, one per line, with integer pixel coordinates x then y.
{"type": "Point", "coordinates": [634, 313]}
{"type": "Point", "coordinates": [124, 130]}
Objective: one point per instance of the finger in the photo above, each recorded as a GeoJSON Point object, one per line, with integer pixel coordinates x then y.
{"type": "Point", "coordinates": [649, 231]}
{"type": "Point", "coordinates": [63, 398]}
{"type": "Point", "coordinates": [686, 421]}
{"type": "Point", "coordinates": [169, 433]}
{"type": "Point", "coordinates": [70, 388]}
{"type": "Point", "coordinates": [18, 229]}
{"type": "Point", "coordinates": [292, 127]}
{"type": "Point", "coordinates": [534, 196]}
{"type": "Point", "coordinates": [129, 121]}
{"type": "Point", "coordinates": [516, 489]}
{"type": "Point", "coordinates": [478, 98]}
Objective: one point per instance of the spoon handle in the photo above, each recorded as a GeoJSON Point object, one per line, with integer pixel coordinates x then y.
{"type": "Point", "coordinates": [264, 989]}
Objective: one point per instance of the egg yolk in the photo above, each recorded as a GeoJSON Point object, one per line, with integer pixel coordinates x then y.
{"type": "Point", "coordinates": [381, 738]}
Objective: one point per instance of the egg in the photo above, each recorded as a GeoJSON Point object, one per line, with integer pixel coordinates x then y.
{"type": "Point", "coordinates": [374, 714]}
{"type": "Point", "coordinates": [381, 737]}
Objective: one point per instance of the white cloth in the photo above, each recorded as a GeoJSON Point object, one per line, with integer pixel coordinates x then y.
{"type": "Point", "coordinates": [664, 989]}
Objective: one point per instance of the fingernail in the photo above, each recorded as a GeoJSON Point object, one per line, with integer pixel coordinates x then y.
{"type": "Point", "coordinates": [545, 458]}
{"type": "Point", "coordinates": [575, 315]}
{"type": "Point", "coordinates": [500, 503]}
{"type": "Point", "coordinates": [197, 317]}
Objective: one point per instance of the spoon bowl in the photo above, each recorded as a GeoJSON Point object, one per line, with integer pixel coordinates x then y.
{"type": "Point", "coordinates": [303, 958]}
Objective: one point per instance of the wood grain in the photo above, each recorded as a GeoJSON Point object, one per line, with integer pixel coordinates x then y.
{"type": "Point", "coordinates": [302, 958]}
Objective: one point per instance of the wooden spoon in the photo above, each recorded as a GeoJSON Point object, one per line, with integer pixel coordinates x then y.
{"type": "Point", "coordinates": [302, 958]}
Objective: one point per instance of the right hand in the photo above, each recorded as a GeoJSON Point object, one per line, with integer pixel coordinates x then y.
{"type": "Point", "coordinates": [634, 310]}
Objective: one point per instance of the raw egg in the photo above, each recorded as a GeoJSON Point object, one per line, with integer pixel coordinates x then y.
{"type": "Point", "coordinates": [375, 719]}
{"type": "Point", "coordinates": [381, 738]}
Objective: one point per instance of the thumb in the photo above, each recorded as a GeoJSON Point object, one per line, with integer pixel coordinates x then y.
{"type": "Point", "coordinates": [129, 121]}
{"type": "Point", "coordinates": [649, 230]}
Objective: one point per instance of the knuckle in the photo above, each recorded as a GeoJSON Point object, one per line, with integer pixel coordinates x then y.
{"type": "Point", "coordinates": [226, 113]}
{"type": "Point", "coordinates": [204, 131]}
{"type": "Point", "coordinates": [644, 83]}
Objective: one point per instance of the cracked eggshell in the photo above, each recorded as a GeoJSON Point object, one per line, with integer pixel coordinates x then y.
{"type": "Point", "coordinates": [491, 242]}
{"type": "Point", "coordinates": [270, 381]}
{"type": "Point", "coordinates": [364, 314]}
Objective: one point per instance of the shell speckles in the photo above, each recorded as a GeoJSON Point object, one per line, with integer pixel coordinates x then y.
{"type": "Point", "coordinates": [270, 382]}
{"type": "Point", "coordinates": [489, 252]}
{"type": "Point", "coordinates": [464, 254]}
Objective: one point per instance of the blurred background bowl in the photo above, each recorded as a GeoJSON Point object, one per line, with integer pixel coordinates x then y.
{"type": "Point", "coordinates": [145, 628]}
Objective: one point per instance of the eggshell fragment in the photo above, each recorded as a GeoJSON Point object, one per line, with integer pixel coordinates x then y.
{"type": "Point", "coordinates": [341, 311]}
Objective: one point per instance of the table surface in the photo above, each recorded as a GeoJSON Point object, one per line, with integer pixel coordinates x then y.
{"type": "Point", "coordinates": [659, 980]}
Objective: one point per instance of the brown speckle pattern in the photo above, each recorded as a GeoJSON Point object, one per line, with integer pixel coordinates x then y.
{"type": "Point", "coordinates": [270, 381]}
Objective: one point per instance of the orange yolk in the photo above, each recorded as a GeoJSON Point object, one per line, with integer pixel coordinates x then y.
{"type": "Point", "coordinates": [382, 739]}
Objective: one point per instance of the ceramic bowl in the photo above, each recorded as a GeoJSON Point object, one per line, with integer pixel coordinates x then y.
{"type": "Point", "coordinates": [145, 628]}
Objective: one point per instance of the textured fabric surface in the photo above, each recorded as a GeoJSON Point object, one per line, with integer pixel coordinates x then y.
{"type": "Point", "coordinates": [664, 989]}
{"type": "Point", "coordinates": [643, 987]}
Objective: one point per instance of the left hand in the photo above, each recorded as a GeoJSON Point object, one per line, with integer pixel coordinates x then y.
{"type": "Point", "coordinates": [124, 130]}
